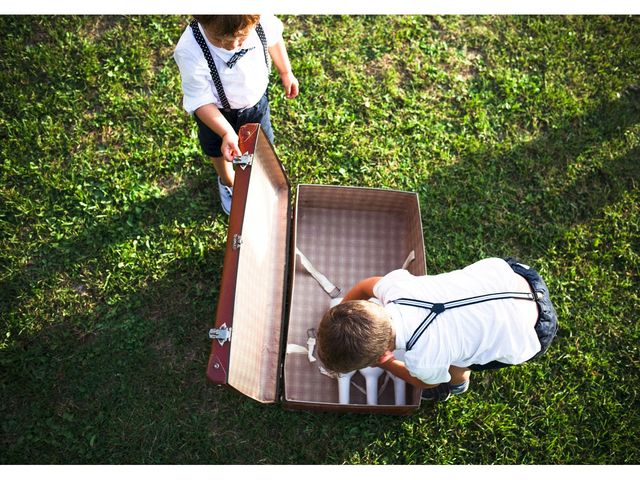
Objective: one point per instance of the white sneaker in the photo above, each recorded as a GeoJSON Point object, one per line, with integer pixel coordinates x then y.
{"type": "Point", "coordinates": [226, 193]}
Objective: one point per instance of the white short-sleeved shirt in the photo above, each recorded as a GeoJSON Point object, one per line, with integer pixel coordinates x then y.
{"type": "Point", "coordinates": [474, 334]}
{"type": "Point", "coordinates": [244, 84]}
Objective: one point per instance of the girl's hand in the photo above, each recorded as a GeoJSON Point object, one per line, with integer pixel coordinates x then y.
{"type": "Point", "coordinates": [290, 84]}
{"type": "Point", "coordinates": [230, 146]}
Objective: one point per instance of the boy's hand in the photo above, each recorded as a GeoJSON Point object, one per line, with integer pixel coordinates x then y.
{"type": "Point", "coordinates": [290, 84]}
{"type": "Point", "coordinates": [230, 146]}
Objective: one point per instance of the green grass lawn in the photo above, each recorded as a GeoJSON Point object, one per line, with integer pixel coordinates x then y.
{"type": "Point", "coordinates": [521, 135]}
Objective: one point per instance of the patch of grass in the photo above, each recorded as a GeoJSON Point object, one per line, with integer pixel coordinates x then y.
{"type": "Point", "coordinates": [520, 134]}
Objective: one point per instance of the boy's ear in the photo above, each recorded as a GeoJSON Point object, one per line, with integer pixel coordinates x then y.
{"type": "Point", "coordinates": [385, 357]}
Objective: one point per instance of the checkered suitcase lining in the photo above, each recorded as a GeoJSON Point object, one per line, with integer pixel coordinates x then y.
{"type": "Point", "coordinates": [347, 234]}
{"type": "Point", "coordinates": [261, 281]}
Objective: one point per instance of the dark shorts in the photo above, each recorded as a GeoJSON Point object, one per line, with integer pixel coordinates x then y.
{"type": "Point", "coordinates": [259, 113]}
{"type": "Point", "coordinates": [547, 325]}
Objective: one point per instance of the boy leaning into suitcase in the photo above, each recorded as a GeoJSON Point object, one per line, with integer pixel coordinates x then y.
{"type": "Point", "coordinates": [224, 63]}
{"type": "Point", "coordinates": [492, 314]}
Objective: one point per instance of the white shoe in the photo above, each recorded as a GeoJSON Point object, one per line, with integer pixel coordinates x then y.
{"type": "Point", "coordinates": [226, 194]}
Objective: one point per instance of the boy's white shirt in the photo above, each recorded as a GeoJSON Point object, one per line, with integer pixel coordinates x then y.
{"type": "Point", "coordinates": [244, 84]}
{"type": "Point", "coordinates": [474, 334]}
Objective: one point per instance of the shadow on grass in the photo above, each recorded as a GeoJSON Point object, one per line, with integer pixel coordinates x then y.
{"type": "Point", "coordinates": [129, 370]}
{"type": "Point", "coordinates": [91, 244]}
{"type": "Point", "coordinates": [123, 391]}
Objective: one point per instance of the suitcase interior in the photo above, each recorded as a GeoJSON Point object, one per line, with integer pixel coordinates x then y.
{"type": "Point", "coordinates": [348, 233]}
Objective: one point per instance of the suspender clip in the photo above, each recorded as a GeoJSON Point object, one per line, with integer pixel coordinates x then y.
{"type": "Point", "coordinates": [438, 308]}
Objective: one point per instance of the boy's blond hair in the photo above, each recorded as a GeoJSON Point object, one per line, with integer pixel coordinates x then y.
{"type": "Point", "coordinates": [227, 25]}
{"type": "Point", "coordinates": [353, 335]}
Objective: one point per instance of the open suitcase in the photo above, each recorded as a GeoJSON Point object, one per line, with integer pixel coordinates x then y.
{"type": "Point", "coordinates": [269, 303]}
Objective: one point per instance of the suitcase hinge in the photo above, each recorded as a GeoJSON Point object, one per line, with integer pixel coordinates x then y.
{"type": "Point", "coordinates": [237, 241]}
{"type": "Point", "coordinates": [222, 334]}
{"type": "Point", "coordinates": [244, 160]}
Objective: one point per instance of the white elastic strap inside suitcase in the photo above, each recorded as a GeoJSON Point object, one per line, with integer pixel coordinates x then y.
{"type": "Point", "coordinates": [324, 282]}
{"type": "Point", "coordinates": [410, 258]}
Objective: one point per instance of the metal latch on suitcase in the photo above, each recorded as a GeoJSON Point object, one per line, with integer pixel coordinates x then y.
{"type": "Point", "coordinates": [222, 334]}
{"type": "Point", "coordinates": [244, 160]}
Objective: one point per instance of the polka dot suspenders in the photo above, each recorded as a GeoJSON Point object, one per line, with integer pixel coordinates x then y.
{"type": "Point", "coordinates": [212, 66]}
{"type": "Point", "coordinates": [263, 39]}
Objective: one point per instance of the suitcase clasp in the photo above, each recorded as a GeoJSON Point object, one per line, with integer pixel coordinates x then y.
{"type": "Point", "coordinates": [244, 160]}
{"type": "Point", "coordinates": [222, 334]}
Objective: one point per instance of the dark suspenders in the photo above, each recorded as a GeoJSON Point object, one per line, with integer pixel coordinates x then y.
{"type": "Point", "coordinates": [437, 308]}
{"type": "Point", "coordinates": [265, 50]}
{"type": "Point", "coordinates": [212, 66]}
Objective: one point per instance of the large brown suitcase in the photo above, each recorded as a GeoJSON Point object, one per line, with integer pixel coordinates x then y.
{"type": "Point", "coordinates": [269, 304]}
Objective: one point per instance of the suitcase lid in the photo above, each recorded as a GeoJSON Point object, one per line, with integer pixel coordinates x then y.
{"type": "Point", "coordinates": [247, 335]}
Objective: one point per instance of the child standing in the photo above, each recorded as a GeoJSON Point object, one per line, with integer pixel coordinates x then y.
{"type": "Point", "coordinates": [224, 63]}
{"type": "Point", "coordinates": [492, 314]}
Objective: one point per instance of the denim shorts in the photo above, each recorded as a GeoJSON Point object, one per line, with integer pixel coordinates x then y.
{"type": "Point", "coordinates": [259, 113]}
{"type": "Point", "coordinates": [546, 326]}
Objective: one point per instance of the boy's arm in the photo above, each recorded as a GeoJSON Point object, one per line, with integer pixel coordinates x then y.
{"type": "Point", "coordinates": [398, 369]}
{"type": "Point", "coordinates": [213, 118]}
{"type": "Point", "coordinates": [363, 290]}
{"type": "Point", "coordinates": [278, 53]}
